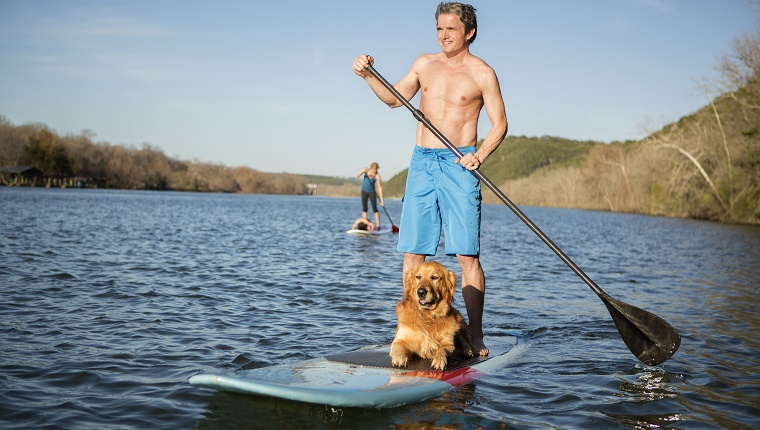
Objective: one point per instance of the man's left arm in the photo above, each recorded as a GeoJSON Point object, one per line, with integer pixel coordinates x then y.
{"type": "Point", "coordinates": [494, 104]}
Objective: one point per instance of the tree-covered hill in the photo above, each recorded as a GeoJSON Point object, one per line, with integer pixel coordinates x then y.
{"type": "Point", "coordinates": [77, 160]}
{"type": "Point", "coordinates": [516, 157]}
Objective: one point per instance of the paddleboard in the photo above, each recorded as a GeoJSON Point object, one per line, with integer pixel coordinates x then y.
{"type": "Point", "coordinates": [361, 378]}
{"type": "Point", "coordinates": [380, 230]}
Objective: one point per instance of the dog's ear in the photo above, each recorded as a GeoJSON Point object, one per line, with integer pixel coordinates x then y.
{"type": "Point", "coordinates": [452, 283]}
{"type": "Point", "coordinates": [409, 278]}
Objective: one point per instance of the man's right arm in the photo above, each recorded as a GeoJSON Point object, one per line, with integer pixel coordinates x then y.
{"type": "Point", "coordinates": [407, 86]}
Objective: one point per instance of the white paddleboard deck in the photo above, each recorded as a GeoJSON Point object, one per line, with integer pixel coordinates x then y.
{"type": "Point", "coordinates": [331, 381]}
{"type": "Point", "coordinates": [380, 230]}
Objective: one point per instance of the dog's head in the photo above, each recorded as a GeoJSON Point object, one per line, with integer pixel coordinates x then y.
{"type": "Point", "coordinates": [431, 286]}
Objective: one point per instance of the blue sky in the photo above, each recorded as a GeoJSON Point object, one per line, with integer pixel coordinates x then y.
{"type": "Point", "coordinates": [270, 86]}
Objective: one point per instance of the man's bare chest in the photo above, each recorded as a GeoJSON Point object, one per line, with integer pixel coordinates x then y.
{"type": "Point", "coordinates": [450, 87]}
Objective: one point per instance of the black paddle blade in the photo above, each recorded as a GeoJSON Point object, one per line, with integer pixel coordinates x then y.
{"type": "Point", "coordinates": [650, 338]}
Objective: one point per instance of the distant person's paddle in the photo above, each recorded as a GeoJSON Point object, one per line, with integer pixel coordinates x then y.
{"type": "Point", "coordinates": [393, 226]}
{"type": "Point", "coordinates": [650, 338]}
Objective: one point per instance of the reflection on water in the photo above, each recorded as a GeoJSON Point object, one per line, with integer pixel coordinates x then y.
{"type": "Point", "coordinates": [649, 386]}
{"type": "Point", "coordinates": [113, 299]}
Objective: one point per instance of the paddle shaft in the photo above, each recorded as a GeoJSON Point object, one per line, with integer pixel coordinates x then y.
{"type": "Point", "coordinates": [388, 215]}
{"type": "Point", "coordinates": [524, 218]}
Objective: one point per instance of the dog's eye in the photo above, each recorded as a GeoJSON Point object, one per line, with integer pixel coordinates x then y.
{"type": "Point", "coordinates": [435, 277]}
{"type": "Point", "coordinates": [418, 277]}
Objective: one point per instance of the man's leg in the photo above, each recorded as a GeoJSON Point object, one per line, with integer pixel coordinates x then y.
{"type": "Point", "coordinates": [411, 261]}
{"type": "Point", "coordinates": [473, 292]}
{"type": "Point", "coordinates": [373, 200]}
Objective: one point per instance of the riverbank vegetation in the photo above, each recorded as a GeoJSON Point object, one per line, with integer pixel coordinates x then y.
{"type": "Point", "coordinates": [705, 165]}
{"type": "Point", "coordinates": [78, 160]}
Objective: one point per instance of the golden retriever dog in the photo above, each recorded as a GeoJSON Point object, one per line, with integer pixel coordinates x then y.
{"type": "Point", "coordinates": [428, 325]}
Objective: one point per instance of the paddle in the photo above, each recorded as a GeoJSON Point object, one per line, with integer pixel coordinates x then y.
{"type": "Point", "coordinates": [395, 229]}
{"type": "Point", "coordinates": [650, 338]}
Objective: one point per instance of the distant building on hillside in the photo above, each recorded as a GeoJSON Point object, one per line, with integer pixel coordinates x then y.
{"type": "Point", "coordinates": [312, 189]}
{"type": "Point", "coordinates": [20, 176]}
{"type": "Point", "coordinates": [30, 176]}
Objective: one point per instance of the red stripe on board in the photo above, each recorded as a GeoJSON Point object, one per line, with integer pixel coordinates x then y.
{"type": "Point", "coordinates": [456, 377]}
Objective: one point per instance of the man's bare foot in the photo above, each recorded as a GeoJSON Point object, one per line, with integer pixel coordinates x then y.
{"type": "Point", "coordinates": [478, 347]}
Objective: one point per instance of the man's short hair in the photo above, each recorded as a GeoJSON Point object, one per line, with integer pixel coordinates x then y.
{"type": "Point", "coordinates": [466, 14]}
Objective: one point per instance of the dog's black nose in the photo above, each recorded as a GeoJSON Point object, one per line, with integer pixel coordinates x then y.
{"type": "Point", "coordinates": [421, 292]}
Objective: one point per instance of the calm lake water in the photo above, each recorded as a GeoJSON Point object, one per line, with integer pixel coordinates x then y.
{"type": "Point", "coordinates": [111, 300]}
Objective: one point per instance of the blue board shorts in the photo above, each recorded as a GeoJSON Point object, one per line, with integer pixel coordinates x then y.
{"type": "Point", "coordinates": [440, 192]}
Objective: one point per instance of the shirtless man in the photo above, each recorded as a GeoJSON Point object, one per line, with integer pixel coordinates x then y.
{"type": "Point", "coordinates": [455, 85]}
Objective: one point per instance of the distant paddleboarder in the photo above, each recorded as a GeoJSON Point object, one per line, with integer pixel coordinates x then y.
{"type": "Point", "coordinates": [372, 188]}
{"type": "Point", "coordinates": [364, 224]}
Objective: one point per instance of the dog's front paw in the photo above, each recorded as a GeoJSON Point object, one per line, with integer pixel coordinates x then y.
{"type": "Point", "coordinates": [399, 360]}
{"type": "Point", "coordinates": [467, 351]}
{"type": "Point", "coordinates": [438, 363]}
{"type": "Point", "coordinates": [399, 354]}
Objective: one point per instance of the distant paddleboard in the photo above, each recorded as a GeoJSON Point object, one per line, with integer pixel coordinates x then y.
{"type": "Point", "coordinates": [362, 378]}
{"type": "Point", "coordinates": [380, 230]}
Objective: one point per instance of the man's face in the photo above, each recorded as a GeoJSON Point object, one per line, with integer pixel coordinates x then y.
{"type": "Point", "coordinates": [451, 35]}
